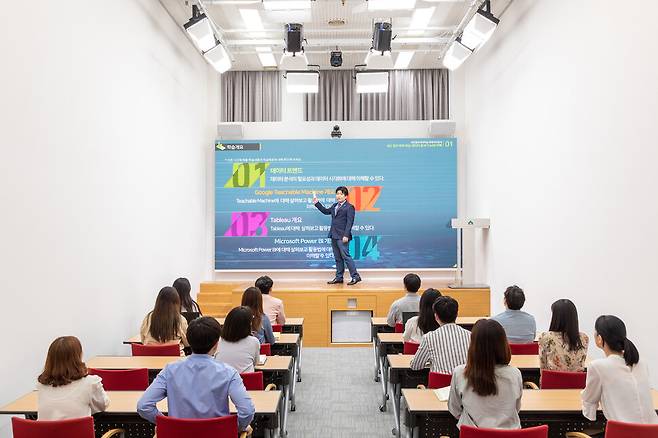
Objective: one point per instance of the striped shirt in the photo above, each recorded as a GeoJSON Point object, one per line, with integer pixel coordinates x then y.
{"type": "Point", "coordinates": [444, 348]}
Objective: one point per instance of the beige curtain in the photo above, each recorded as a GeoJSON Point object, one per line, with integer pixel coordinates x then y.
{"type": "Point", "coordinates": [251, 96]}
{"type": "Point", "coordinates": [412, 95]}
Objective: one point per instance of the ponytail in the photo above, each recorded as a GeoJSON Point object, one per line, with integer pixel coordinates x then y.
{"type": "Point", "coordinates": [631, 355]}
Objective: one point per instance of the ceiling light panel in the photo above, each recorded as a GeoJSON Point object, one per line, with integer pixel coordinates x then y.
{"type": "Point", "coordinates": [420, 19]}
{"type": "Point", "coordinates": [390, 5]}
{"type": "Point", "coordinates": [403, 60]}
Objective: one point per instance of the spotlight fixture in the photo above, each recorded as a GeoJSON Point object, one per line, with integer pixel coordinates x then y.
{"type": "Point", "coordinates": [302, 81]}
{"type": "Point", "coordinates": [199, 29]}
{"type": "Point", "coordinates": [456, 55]}
{"type": "Point", "coordinates": [336, 58]}
{"type": "Point", "coordinates": [218, 58]}
{"type": "Point", "coordinates": [381, 37]}
{"type": "Point", "coordinates": [480, 28]}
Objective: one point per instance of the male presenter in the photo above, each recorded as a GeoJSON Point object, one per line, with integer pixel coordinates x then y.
{"type": "Point", "coordinates": [342, 218]}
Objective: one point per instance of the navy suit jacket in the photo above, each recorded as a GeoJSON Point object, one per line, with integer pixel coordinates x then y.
{"type": "Point", "coordinates": [341, 222]}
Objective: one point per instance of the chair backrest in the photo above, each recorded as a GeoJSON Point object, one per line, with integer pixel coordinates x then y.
{"type": "Point", "coordinates": [410, 347]}
{"type": "Point", "coordinates": [617, 429]}
{"type": "Point", "coordinates": [155, 350]}
{"type": "Point", "coordinates": [253, 381]}
{"type": "Point", "coordinates": [266, 349]}
{"type": "Point", "coordinates": [277, 328]}
{"type": "Point", "coordinates": [408, 315]}
{"type": "Point", "coordinates": [530, 432]}
{"type": "Point", "coordinates": [73, 428]}
{"type": "Point", "coordinates": [220, 427]}
{"type": "Point", "coordinates": [563, 379]}
{"type": "Point", "coordinates": [123, 380]}
{"type": "Point", "coordinates": [530, 348]}
{"type": "Point", "coordinates": [399, 327]}
{"type": "Point", "coordinates": [438, 380]}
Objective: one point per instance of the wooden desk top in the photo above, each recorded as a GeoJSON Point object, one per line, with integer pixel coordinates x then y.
{"type": "Point", "coordinates": [559, 400]}
{"type": "Point", "coordinates": [381, 320]}
{"type": "Point", "coordinates": [519, 361]}
{"type": "Point", "coordinates": [284, 338]}
{"type": "Point", "coordinates": [289, 321]}
{"type": "Point", "coordinates": [390, 338]}
{"type": "Point", "coordinates": [273, 363]}
{"type": "Point", "coordinates": [121, 402]}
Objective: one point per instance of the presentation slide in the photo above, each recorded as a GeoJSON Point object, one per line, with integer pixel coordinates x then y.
{"type": "Point", "coordinates": [404, 192]}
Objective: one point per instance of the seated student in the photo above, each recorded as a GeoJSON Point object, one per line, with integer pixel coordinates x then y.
{"type": "Point", "coordinates": [408, 303]}
{"type": "Point", "coordinates": [425, 322]}
{"type": "Point", "coordinates": [486, 392]}
{"type": "Point", "coordinates": [273, 307]}
{"type": "Point", "coordinates": [65, 390]}
{"type": "Point", "coordinates": [237, 348]}
{"type": "Point", "coordinates": [620, 382]}
{"type": "Point", "coordinates": [187, 304]}
{"type": "Point", "coordinates": [447, 346]}
{"type": "Point", "coordinates": [563, 347]}
{"type": "Point", "coordinates": [199, 386]}
{"type": "Point", "coordinates": [519, 326]}
{"type": "Point", "coordinates": [260, 324]}
{"type": "Point", "coordinates": [164, 324]}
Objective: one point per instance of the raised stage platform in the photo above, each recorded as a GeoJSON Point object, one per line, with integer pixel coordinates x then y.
{"type": "Point", "coordinates": [314, 300]}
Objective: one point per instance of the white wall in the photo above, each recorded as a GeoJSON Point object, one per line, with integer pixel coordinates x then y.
{"type": "Point", "coordinates": [106, 114]}
{"type": "Point", "coordinates": [561, 110]}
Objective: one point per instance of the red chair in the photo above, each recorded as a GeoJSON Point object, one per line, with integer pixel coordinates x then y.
{"type": "Point", "coordinates": [256, 382]}
{"type": "Point", "coordinates": [530, 348]}
{"type": "Point", "coordinates": [399, 327]}
{"type": "Point", "coordinates": [266, 349]}
{"type": "Point", "coordinates": [123, 380]}
{"type": "Point", "coordinates": [155, 350]}
{"type": "Point", "coordinates": [277, 328]}
{"type": "Point", "coordinates": [617, 429]}
{"type": "Point", "coordinates": [438, 380]}
{"type": "Point", "coordinates": [73, 428]}
{"type": "Point", "coordinates": [478, 432]}
{"type": "Point", "coordinates": [563, 379]}
{"type": "Point", "coordinates": [220, 427]}
{"type": "Point", "coordinates": [410, 347]}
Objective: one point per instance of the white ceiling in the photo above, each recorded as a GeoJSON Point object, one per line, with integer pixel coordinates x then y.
{"type": "Point", "coordinates": [353, 38]}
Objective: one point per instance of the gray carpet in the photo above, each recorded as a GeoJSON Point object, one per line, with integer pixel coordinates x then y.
{"type": "Point", "coordinates": [338, 396]}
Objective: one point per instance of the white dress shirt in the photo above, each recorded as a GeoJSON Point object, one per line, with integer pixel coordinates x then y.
{"type": "Point", "coordinates": [80, 398]}
{"type": "Point", "coordinates": [624, 392]}
{"type": "Point", "coordinates": [412, 332]}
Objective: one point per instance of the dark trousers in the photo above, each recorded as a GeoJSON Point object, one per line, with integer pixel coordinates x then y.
{"type": "Point", "coordinates": [343, 257]}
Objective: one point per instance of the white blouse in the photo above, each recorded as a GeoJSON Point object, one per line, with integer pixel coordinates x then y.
{"type": "Point", "coordinates": [80, 398]}
{"type": "Point", "coordinates": [624, 392]}
{"type": "Point", "coordinates": [411, 331]}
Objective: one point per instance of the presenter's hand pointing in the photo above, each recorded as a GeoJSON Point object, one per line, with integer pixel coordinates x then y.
{"type": "Point", "coordinates": [345, 239]}
{"type": "Point", "coordinates": [315, 200]}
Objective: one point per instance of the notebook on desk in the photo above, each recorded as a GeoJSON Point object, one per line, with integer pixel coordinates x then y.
{"type": "Point", "coordinates": [442, 393]}
{"type": "Point", "coordinates": [261, 359]}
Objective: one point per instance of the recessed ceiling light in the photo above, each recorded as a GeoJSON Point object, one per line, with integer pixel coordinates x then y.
{"type": "Point", "coordinates": [420, 19]}
{"type": "Point", "coordinates": [286, 5]}
{"type": "Point", "coordinates": [403, 60]}
{"type": "Point", "coordinates": [388, 5]}
{"type": "Point", "coordinates": [251, 19]}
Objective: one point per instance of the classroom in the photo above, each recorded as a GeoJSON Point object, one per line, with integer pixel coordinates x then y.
{"type": "Point", "coordinates": [329, 218]}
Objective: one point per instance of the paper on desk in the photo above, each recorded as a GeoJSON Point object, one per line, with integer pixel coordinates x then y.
{"type": "Point", "coordinates": [277, 335]}
{"type": "Point", "coordinates": [262, 359]}
{"type": "Point", "coordinates": [442, 393]}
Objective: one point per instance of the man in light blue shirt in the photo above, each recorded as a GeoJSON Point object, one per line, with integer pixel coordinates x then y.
{"type": "Point", "coordinates": [519, 326]}
{"type": "Point", "coordinates": [199, 386]}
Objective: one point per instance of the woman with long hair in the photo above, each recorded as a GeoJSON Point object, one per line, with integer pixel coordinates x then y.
{"type": "Point", "coordinates": [260, 325]}
{"type": "Point", "coordinates": [164, 324]}
{"type": "Point", "coordinates": [425, 322]}
{"type": "Point", "coordinates": [65, 390]}
{"type": "Point", "coordinates": [486, 392]}
{"type": "Point", "coordinates": [237, 347]}
{"type": "Point", "coordinates": [620, 382]}
{"type": "Point", "coordinates": [187, 304]}
{"type": "Point", "coordinates": [564, 346]}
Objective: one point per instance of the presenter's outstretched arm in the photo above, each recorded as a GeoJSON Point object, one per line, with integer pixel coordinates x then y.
{"type": "Point", "coordinates": [321, 207]}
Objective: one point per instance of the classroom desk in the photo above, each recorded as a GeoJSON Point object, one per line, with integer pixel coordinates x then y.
{"type": "Point", "coordinates": [276, 369]}
{"type": "Point", "coordinates": [122, 412]}
{"type": "Point", "coordinates": [560, 409]}
{"type": "Point", "coordinates": [400, 375]}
